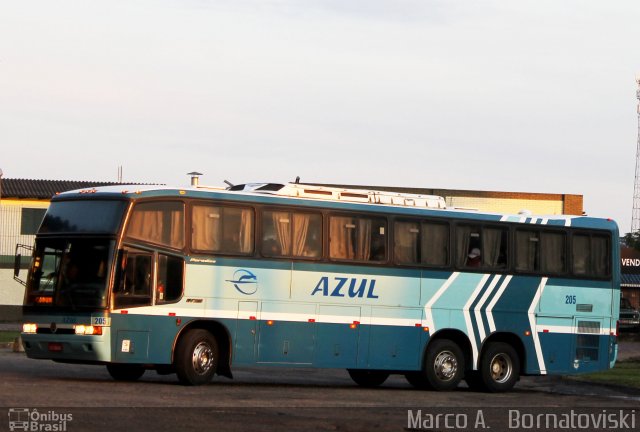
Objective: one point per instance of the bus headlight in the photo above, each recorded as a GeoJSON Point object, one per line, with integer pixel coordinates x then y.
{"type": "Point", "coordinates": [29, 328]}
{"type": "Point", "coordinates": [87, 330]}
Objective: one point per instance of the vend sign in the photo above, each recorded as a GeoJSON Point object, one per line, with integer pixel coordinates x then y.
{"type": "Point", "coordinates": [629, 260]}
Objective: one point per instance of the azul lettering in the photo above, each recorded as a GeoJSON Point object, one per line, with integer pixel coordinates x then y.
{"type": "Point", "coordinates": [341, 287]}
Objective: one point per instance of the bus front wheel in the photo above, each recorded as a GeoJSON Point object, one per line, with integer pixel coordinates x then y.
{"type": "Point", "coordinates": [368, 378]}
{"type": "Point", "coordinates": [125, 372]}
{"type": "Point", "coordinates": [196, 357]}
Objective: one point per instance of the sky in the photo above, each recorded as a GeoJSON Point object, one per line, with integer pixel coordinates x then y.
{"type": "Point", "coordinates": [507, 95]}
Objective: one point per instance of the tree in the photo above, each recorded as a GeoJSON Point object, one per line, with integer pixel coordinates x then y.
{"type": "Point", "coordinates": [632, 240]}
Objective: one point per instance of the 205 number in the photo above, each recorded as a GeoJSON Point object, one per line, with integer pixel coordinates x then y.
{"type": "Point", "coordinates": [570, 299]}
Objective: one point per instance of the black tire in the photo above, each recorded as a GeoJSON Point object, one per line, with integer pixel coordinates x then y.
{"type": "Point", "coordinates": [125, 372]}
{"type": "Point", "coordinates": [418, 380]}
{"type": "Point", "coordinates": [197, 357]}
{"type": "Point", "coordinates": [474, 381]}
{"type": "Point", "coordinates": [368, 378]}
{"type": "Point", "coordinates": [444, 365]}
{"type": "Point", "coordinates": [499, 367]}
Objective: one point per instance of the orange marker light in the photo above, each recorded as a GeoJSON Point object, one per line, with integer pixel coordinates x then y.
{"type": "Point", "coordinates": [527, 333]}
{"type": "Point", "coordinates": [270, 323]}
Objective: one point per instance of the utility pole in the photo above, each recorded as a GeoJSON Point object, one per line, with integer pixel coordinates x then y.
{"type": "Point", "coordinates": [635, 218]}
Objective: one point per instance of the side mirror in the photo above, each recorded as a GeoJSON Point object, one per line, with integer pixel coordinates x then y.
{"type": "Point", "coordinates": [16, 266]}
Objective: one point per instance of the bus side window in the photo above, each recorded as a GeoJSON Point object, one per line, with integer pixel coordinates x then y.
{"type": "Point", "coordinates": [170, 280]}
{"type": "Point", "coordinates": [133, 287]}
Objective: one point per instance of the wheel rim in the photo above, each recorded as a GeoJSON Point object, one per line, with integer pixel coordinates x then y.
{"type": "Point", "coordinates": [501, 368]}
{"type": "Point", "coordinates": [202, 359]}
{"type": "Point", "coordinates": [445, 365]}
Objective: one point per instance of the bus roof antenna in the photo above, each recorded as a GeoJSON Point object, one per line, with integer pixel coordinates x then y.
{"type": "Point", "coordinates": [297, 179]}
{"type": "Point", "coordinates": [228, 183]}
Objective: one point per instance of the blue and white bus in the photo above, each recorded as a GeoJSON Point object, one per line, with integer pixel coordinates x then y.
{"type": "Point", "coordinates": [196, 281]}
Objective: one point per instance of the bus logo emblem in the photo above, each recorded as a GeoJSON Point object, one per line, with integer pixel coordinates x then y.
{"type": "Point", "coordinates": [245, 282]}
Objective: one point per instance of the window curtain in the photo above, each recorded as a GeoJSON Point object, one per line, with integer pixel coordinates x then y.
{"type": "Point", "coordinates": [363, 250]}
{"type": "Point", "coordinates": [300, 231]}
{"type": "Point", "coordinates": [581, 254]}
{"type": "Point", "coordinates": [176, 228]}
{"type": "Point", "coordinates": [206, 228]}
{"type": "Point", "coordinates": [527, 244]}
{"type": "Point", "coordinates": [492, 246]}
{"type": "Point", "coordinates": [435, 244]}
{"type": "Point", "coordinates": [599, 251]}
{"type": "Point", "coordinates": [552, 252]}
{"type": "Point", "coordinates": [246, 231]}
{"type": "Point", "coordinates": [341, 244]}
{"type": "Point", "coordinates": [282, 228]}
{"type": "Point", "coordinates": [463, 240]}
{"type": "Point", "coordinates": [406, 242]}
{"type": "Point", "coordinates": [146, 225]}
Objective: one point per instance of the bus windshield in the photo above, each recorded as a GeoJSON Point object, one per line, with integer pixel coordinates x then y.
{"type": "Point", "coordinates": [70, 273]}
{"type": "Point", "coordinates": [88, 216]}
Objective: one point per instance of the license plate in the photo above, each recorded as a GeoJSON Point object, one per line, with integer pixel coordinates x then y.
{"type": "Point", "coordinates": [55, 346]}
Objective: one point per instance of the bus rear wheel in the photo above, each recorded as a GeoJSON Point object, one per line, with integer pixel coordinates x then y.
{"type": "Point", "coordinates": [368, 378]}
{"type": "Point", "coordinates": [499, 367]}
{"type": "Point", "coordinates": [196, 358]}
{"type": "Point", "coordinates": [125, 372]}
{"type": "Point", "coordinates": [444, 365]}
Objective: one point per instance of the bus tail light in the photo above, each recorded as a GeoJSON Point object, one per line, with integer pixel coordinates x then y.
{"type": "Point", "coordinates": [29, 328]}
{"type": "Point", "coordinates": [87, 330]}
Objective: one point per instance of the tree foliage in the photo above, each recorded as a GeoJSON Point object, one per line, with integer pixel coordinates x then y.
{"type": "Point", "coordinates": [632, 240]}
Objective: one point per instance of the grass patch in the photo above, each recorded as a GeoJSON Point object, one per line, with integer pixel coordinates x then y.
{"type": "Point", "coordinates": [624, 373]}
{"type": "Point", "coordinates": [8, 336]}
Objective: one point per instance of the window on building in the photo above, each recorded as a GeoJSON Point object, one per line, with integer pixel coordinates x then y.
{"type": "Point", "coordinates": [357, 238]}
{"type": "Point", "coordinates": [218, 229]}
{"type": "Point", "coordinates": [30, 220]}
{"type": "Point", "coordinates": [291, 234]}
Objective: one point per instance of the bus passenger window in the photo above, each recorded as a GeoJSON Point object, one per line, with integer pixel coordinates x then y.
{"type": "Point", "coordinates": [158, 222]}
{"type": "Point", "coordinates": [218, 229]}
{"type": "Point", "coordinates": [291, 234]}
{"type": "Point", "coordinates": [357, 238]}
{"type": "Point", "coordinates": [434, 245]}
{"type": "Point", "coordinates": [169, 282]}
{"type": "Point", "coordinates": [494, 248]}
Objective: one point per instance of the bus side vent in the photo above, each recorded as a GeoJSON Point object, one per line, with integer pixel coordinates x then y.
{"type": "Point", "coordinates": [588, 341]}
{"type": "Point", "coordinates": [589, 327]}
{"type": "Point", "coordinates": [584, 308]}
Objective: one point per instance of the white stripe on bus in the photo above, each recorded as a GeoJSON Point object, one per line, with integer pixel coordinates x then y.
{"type": "Point", "coordinates": [532, 323]}
{"type": "Point", "coordinates": [467, 316]}
{"type": "Point", "coordinates": [428, 317]}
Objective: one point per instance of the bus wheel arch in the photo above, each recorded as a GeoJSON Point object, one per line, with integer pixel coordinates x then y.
{"type": "Point", "coordinates": [223, 339]}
